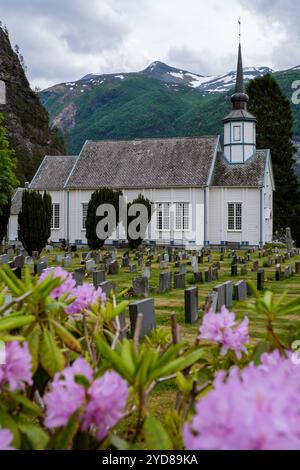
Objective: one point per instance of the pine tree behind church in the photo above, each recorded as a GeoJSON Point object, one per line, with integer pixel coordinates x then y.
{"type": "Point", "coordinates": [35, 221]}
{"type": "Point", "coordinates": [275, 131]}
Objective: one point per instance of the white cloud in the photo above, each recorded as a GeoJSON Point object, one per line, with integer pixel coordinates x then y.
{"type": "Point", "coordinates": [63, 40]}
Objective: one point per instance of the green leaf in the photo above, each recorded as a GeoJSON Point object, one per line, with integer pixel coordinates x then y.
{"type": "Point", "coordinates": [121, 444]}
{"type": "Point", "coordinates": [64, 437]}
{"type": "Point", "coordinates": [67, 338]}
{"type": "Point", "coordinates": [179, 364]}
{"type": "Point", "coordinates": [36, 436]}
{"type": "Point", "coordinates": [29, 406]}
{"type": "Point", "coordinates": [113, 358]}
{"type": "Point", "coordinates": [261, 348]}
{"type": "Point", "coordinates": [34, 344]}
{"type": "Point", "coordinates": [51, 358]}
{"type": "Point", "coordinates": [157, 437]}
{"type": "Point", "coordinates": [7, 324]}
{"type": "Point", "coordinates": [6, 421]}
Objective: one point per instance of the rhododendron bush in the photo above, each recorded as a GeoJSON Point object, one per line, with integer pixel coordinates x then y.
{"type": "Point", "coordinates": [71, 378]}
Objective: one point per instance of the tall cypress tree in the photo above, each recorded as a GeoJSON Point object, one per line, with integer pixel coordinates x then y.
{"type": "Point", "coordinates": [275, 132]}
{"type": "Point", "coordinates": [35, 221]}
{"type": "Point", "coordinates": [99, 197]}
{"type": "Point", "coordinates": [8, 180]}
{"type": "Point", "coordinates": [134, 244]}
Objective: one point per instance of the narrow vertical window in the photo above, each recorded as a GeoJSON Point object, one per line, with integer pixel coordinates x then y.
{"type": "Point", "coordinates": [235, 216]}
{"type": "Point", "coordinates": [236, 133]}
{"type": "Point", "coordinates": [55, 216]}
{"type": "Point", "coordinates": [182, 216]}
{"type": "Point", "coordinates": [163, 216]}
{"type": "Point", "coordinates": [84, 215]}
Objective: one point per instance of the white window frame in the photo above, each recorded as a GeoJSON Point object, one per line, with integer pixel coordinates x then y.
{"type": "Point", "coordinates": [55, 216]}
{"type": "Point", "coordinates": [182, 216]}
{"type": "Point", "coordinates": [238, 130]}
{"type": "Point", "coordinates": [84, 209]}
{"type": "Point", "coordinates": [235, 217]}
{"type": "Point", "coordinates": [163, 216]}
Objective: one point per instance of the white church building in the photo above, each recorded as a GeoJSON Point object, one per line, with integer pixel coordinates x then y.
{"type": "Point", "coordinates": [204, 193]}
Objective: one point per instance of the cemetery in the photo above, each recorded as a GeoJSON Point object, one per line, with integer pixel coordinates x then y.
{"type": "Point", "coordinates": [178, 281]}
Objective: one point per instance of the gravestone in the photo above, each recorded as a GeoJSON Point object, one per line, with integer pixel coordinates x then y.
{"type": "Point", "coordinates": [48, 248]}
{"type": "Point", "coordinates": [191, 305]}
{"type": "Point", "coordinates": [73, 248]}
{"type": "Point", "coordinates": [28, 260]}
{"type": "Point", "coordinates": [221, 291]}
{"type": "Point", "coordinates": [228, 294]}
{"type": "Point", "coordinates": [288, 272]}
{"type": "Point", "coordinates": [208, 275]}
{"type": "Point", "coordinates": [108, 287]}
{"type": "Point", "coordinates": [243, 270]}
{"type": "Point", "coordinates": [165, 282]}
{"type": "Point", "coordinates": [261, 280]}
{"type": "Point", "coordinates": [297, 267]}
{"type": "Point", "coordinates": [90, 265]}
{"type": "Point", "coordinates": [278, 272]}
{"type": "Point", "coordinates": [212, 300]}
{"type": "Point", "coordinates": [147, 272]}
{"type": "Point", "coordinates": [240, 291]}
{"type": "Point", "coordinates": [67, 261]}
{"type": "Point", "coordinates": [255, 266]}
{"type": "Point", "coordinates": [113, 267]}
{"type": "Point", "coordinates": [179, 281]}
{"type": "Point", "coordinates": [98, 277]}
{"type": "Point", "coordinates": [163, 264]}
{"type": "Point", "coordinates": [19, 261]}
{"type": "Point", "coordinates": [44, 259]}
{"type": "Point", "coordinates": [198, 278]}
{"type": "Point", "coordinates": [215, 274]}
{"type": "Point", "coordinates": [59, 258]}
{"type": "Point", "coordinates": [200, 259]}
{"type": "Point", "coordinates": [140, 286]}
{"type": "Point", "coordinates": [4, 259]}
{"type": "Point", "coordinates": [234, 270]}
{"type": "Point", "coordinates": [78, 276]}
{"type": "Point", "coordinates": [147, 309]}
{"type": "Point", "coordinates": [289, 240]}
{"type": "Point", "coordinates": [125, 262]}
{"type": "Point", "coordinates": [132, 268]}
{"type": "Point", "coordinates": [39, 268]}
{"type": "Point", "coordinates": [182, 268]}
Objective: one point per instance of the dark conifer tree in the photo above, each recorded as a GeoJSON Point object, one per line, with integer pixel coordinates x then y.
{"type": "Point", "coordinates": [99, 197]}
{"type": "Point", "coordinates": [134, 244]}
{"type": "Point", "coordinates": [275, 132]}
{"type": "Point", "coordinates": [35, 221]}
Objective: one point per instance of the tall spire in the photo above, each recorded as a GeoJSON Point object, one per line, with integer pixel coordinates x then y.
{"type": "Point", "coordinates": [240, 99]}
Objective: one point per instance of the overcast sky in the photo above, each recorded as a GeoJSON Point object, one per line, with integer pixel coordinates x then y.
{"type": "Point", "coordinates": [62, 40]}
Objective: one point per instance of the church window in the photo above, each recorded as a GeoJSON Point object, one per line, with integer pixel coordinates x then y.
{"type": "Point", "coordinates": [235, 216]}
{"type": "Point", "coordinates": [55, 216]}
{"type": "Point", "coordinates": [182, 216]}
{"type": "Point", "coordinates": [84, 215]}
{"type": "Point", "coordinates": [237, 133]}
{"type": "Point", "coordinates": [163, 216]}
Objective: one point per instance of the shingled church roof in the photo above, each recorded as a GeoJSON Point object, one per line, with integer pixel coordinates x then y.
{"type": "Point", "coordinates": [53, 173]}
{"type": "Point", "coordinates": [146, 163]}
{"type": "Point", "coordinates": [248, 174]}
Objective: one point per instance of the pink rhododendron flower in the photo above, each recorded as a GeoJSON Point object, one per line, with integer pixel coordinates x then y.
{"type": "Point", "coordinates": [85, 296]}
{"type": "Point", "coordinates": [67, 284]}
{"type": "Point", "coordinates": [257, 408]}
{"type": "Point", "coordinates": [108, 397]}
{"type": "Point", "coordinates": [16, 372]}
{"type": "Point", "coordinates": [102, 403]}
{"type": "Point", "coordinates": [222, 328]}
{"type": "Point", "coordinates": [6, 438]}
{"type": "Point", "coordinates": [66, 396]}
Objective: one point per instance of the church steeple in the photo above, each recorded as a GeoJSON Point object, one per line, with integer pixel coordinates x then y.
{"type": "Point", "coordinates": [239, 125]}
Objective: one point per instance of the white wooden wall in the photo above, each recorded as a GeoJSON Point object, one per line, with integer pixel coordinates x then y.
{"type": "Point", "coordinates": [218, 213]}
{"type": "Point", "coordinates": [193, 196]}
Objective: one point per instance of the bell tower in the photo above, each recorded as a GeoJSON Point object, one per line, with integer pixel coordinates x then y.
{"type": "Point", "coordinates": [239, 125]}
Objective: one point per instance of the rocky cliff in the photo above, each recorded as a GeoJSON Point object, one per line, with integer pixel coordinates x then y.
{"type": "Point", "coordinates": [26, 119]}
